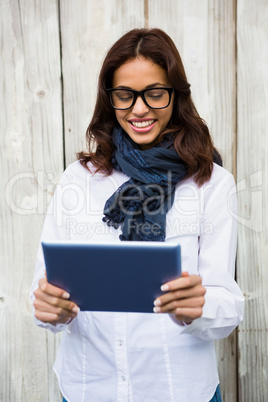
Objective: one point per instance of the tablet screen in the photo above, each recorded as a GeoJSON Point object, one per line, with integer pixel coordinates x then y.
{"type": "Point", "coordinates": [123, 276]}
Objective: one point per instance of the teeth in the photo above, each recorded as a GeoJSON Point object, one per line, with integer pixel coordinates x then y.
{"type": "Point", "coordinates": [142, 124]}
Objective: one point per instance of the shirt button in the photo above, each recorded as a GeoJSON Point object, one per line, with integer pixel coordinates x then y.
{"type": "Point", "coordinates": [123, 378]}
{"type": "Point", "coordinates": [120, 343]}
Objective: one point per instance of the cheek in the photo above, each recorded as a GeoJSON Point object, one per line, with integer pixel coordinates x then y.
{"type": "Point", "coordinates": [166, 116]}
{"type": "Point", "coordinates": [170, 110]}
{"type": "Point", "coordinates": [120, 115]}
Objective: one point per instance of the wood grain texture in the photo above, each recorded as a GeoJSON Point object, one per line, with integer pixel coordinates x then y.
{"type": "Point", "coordinates": [31, 161]}
{"type": "Point", "coordinates": [204, 33]}
{"type": "Point", "coordinates": [252, 167]}
{"type": "Point", "coordinates": [85, 42]}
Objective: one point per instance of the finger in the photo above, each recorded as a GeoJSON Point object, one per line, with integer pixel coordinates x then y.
{"type": "Point", "coordinates": [187, 293]}
{"type": "Point", "coordinates": [46, 313]}
{"type": "Point", "coordinates": [51, 318]}
{"type": "Point", "coordinates": [194, 302]}
{"type": "Point", "coordinates": [46, 317]}
{"type": "Point", "coordinates": [57, 309]}
{"type": "Point", "coordinates": [182, 283]}
{"type": "Point", "coordinates": [52, 290]}
{"type": "Point", "coordinates": [188, 314]}
{"type": "Point", "coordinates": [42, 298]}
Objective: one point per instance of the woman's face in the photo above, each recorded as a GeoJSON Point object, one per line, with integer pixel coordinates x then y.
{"type": "Point", "coordinates": [140, 122]}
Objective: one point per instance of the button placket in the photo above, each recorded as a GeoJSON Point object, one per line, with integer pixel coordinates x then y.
{"type": "Point", "coordinates": [121, 356]}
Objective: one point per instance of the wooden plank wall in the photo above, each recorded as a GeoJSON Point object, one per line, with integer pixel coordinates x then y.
{"type": "Point", "coordinates": [252, 169]}
{"type": "Point", "coordinates": [51, 53]}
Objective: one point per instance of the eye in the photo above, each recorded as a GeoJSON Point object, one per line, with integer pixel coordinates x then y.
{"type": "Point", "coordinates": [156, 93]}
{"type": "Point", "coordinates": [122, 96]}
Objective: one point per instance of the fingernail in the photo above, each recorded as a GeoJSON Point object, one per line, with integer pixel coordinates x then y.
{"type": "Point", "coordinates": [157, 302]}
{"type": "Point", "coordinates": [76, 309]}
{"type": "Point", "coordinates": [157, 309]}
{"type": "Point", "coordinates": [164, 288]}
{"type": "Point", "coordinates": [66, 295]}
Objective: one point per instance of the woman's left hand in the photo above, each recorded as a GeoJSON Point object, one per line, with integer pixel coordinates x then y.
{"type": "Point", "coordinates": [185, 298]}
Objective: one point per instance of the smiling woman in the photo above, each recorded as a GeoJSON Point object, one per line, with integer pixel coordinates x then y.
{"type": "Point", "coordinates": [154, 62]}
{"type": "Point", "coordinates": [153, 153]}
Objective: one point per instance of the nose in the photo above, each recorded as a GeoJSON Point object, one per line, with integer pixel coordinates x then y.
{"type": "Point", "coordinates": [140, 108]}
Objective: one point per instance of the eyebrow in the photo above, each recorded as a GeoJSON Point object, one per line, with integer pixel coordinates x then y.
{"type": "Point", "coordinates": [155, 84]}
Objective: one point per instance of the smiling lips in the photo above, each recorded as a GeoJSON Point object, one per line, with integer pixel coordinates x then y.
{"type": "Point", "coordinates": [142, 126]}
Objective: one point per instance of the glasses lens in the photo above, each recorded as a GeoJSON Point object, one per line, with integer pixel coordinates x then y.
{"type": "Point", "coordinates": [122, 98]}
{"type": "Point", "coordinates": [157, 97]}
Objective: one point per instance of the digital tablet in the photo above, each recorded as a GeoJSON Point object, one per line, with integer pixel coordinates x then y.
{"type": "Point", "coordinates": [123, 276]}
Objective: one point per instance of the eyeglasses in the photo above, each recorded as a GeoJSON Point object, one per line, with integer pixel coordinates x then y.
{"type": "Point", "coordinates": [154, 98]}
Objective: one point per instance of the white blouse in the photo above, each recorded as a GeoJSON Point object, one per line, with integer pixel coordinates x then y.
{"type": "Point", "coordinates": [108, 357]}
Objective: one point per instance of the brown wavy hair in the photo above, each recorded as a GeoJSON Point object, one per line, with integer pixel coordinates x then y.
{"type": "Point", "coordinates": [190, 134]}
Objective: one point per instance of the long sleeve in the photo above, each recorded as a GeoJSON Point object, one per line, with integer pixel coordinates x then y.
{"type": "Point", "coordinates": [53, 229]}
{"type": "Point", "coordinates": [224, 301]}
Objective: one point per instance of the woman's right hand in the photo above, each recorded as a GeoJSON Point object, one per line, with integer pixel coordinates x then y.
{"type": "Point", "coordinates": [52, 305]}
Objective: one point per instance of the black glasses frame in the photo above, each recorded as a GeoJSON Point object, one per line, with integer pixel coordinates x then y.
{"type": "Point", "coordinates": [138, 93]}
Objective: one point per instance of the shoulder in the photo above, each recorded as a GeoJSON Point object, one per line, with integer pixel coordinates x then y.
{"type": "Point", "coordinates": [72, 173]}
{"type": "Point", "coordinates": [76, 168]}
{"type": "Point", "coordinates": [218, 189]}
{"type": "Point", "coordinates": [219, 177]}
{"type": "Point", "coordinates": [77, 173]}
{"type": "Point", "coordinates": [220, 174]}
{"type": "Point", "coordinates": [221, 182]}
